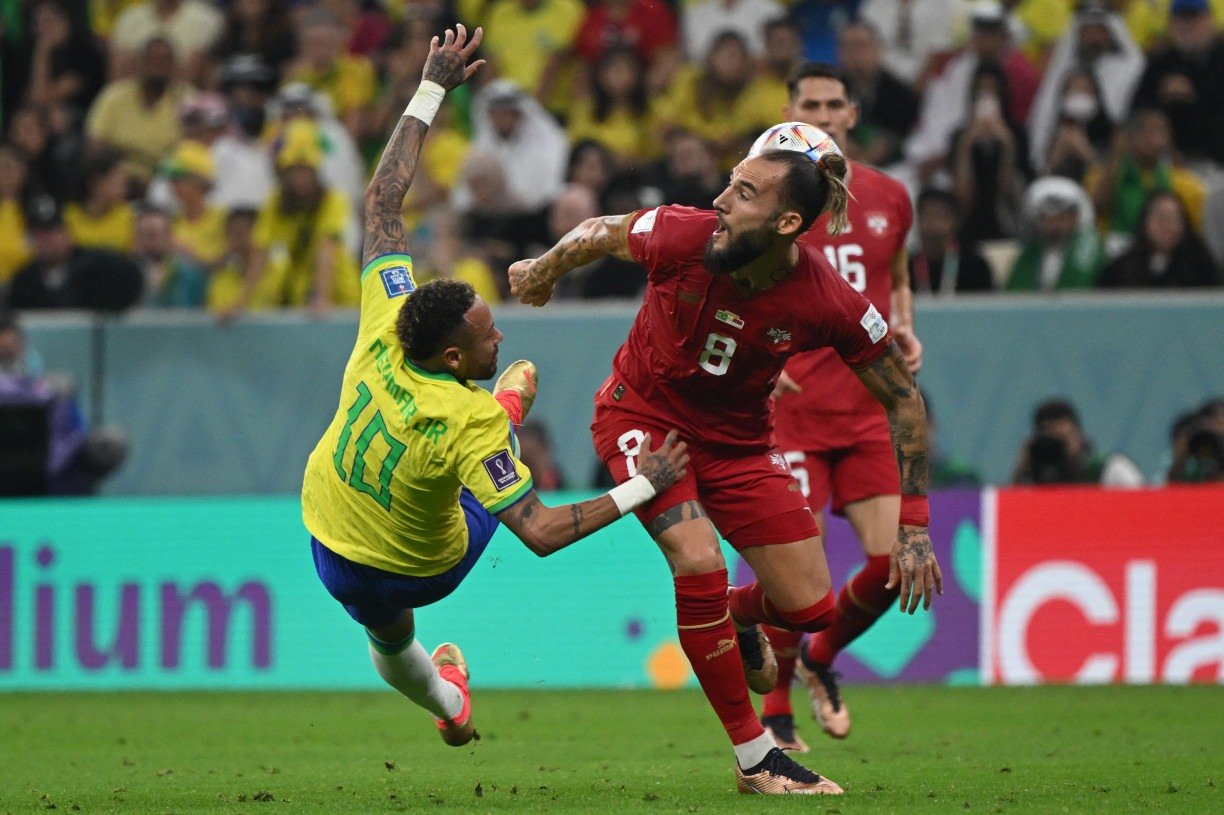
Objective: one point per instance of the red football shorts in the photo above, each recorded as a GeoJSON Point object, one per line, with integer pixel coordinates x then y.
{"type": "Point", "coordinates": [752, 500]}
{"type": "Point", "coordinates": [864, 469]}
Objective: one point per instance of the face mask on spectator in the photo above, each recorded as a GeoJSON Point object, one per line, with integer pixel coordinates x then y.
{"type": "Point", "coordinates": [1079, 106]}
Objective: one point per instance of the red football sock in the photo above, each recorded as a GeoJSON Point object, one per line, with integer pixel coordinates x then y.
{"type": "Point", "coordinates": [708, 639]}
{"type": "Point", "coordinates": [859, 604]}
{"type": "Point", "coordinates": [786, 650]}
{"type": "Point", "coordinates": [512, 402]}
{"type": "Point", "coordinates": [749, 605]}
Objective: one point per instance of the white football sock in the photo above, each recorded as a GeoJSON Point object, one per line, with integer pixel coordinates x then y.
{"type": "Point", "coordinates": [751, 753]}
{"type": "Point", "coordinates": [412, 673]}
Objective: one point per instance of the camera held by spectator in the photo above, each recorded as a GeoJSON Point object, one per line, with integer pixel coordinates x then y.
{"type": "Point", "coordinates": [1198, 445]}
{"type": "Point", "coordinates": [1059, 452]}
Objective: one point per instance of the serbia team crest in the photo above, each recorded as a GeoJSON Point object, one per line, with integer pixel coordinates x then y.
{"type": "Point", "coordinates": [397, 280]}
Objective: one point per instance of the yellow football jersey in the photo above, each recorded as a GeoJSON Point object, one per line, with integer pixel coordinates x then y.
{"type": "Point", "coordinates": [382, 485]}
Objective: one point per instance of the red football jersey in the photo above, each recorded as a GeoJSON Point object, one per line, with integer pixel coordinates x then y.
{"type": "Point", "coordinates": [835, 408]}
{"type": "Point", "coordinates": [703, 356]}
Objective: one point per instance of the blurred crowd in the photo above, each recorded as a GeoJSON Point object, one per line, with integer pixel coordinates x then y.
{"type": "Point", "coordinates": [198, 154]}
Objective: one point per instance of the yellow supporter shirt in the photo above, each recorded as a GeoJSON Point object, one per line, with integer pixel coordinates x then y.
{"type": "Point", "coordinates": [350, 82]}
{"type": "Point", "coordinates": [14, 248]}
{"type": "Point", "coordinates": [382, 485]}
{"type": "Point", "coordinates": [115, 229]}
{"type": "Point", "coordinates": [292, 242]}
{"type": "Point", "coordinates": [755, 109]}
{"type": "Point", "coordinates": [629, 137]}
{"type": "Point", "coordinates": [204, 237]}
{"type": "Point", "coordinates": [146, 135]}
{"type": "Point", "coordinates": [522, 41]}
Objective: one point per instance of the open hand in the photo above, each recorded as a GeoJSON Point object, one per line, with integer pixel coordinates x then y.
{"type": "Point", "coordinates": [913, 564]}
{"type": "Point", "coordinates": [447, 60]}
{"type": "Point", "coordinates": [666, 465]}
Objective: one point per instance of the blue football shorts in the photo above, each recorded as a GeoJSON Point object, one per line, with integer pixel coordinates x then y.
{"type": "Point", "coordinates": [376, 598]}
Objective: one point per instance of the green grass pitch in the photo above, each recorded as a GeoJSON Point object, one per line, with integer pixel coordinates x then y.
{"type": "Point", "coordinates": [913, 750]}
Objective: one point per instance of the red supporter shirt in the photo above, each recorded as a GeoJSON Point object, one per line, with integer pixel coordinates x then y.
{"type": "Point", "coordinates": [704, 357]}
{"type": "Point", "coordinates": [835, 408]}
{"type": "Point", "coordinates": [648, 27]}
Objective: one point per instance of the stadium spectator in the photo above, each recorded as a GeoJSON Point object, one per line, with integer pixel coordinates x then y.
{"type": "Point", "coordinates": [347, 80]}
{"type": "Point", "coordinates": [228, 279]}
{"type": "Point", "coordinates": [943, 264]}
{"type": "Point", "coordinates": [689, 175]}
{"type": "Point", "coordinates": [917, 35]}
{"type": "Point", "coordinates": [342, 167]}
{"type": "Point", "coordinates": [172, 279]}
{"type": "Point", "coordinates": [646, 25]}
{"type": "Point", "coordinates": [948, 102]}
{"type": "Point", "coordinates": [783, 54]}
{"type": "Point", "coordinates": [54, 453]}
{"type": "Point", "coordinates": [49, 159]}
{"type": "Point", "coordinates": [302, 258]}
{"type": "Point", "coordinates": [989, 160]}
{"type": "Point", "coordinates": [606, 277]}
{"type": "Point", "coordinates": [442, 161]}
{"type": "Point", "coordinates": [528, 40]}
{"type": "Point", "coordinates": [14, 246]}
{"type": "Point", "coordinates": [66, 66]}
{"type": "Point", "coordinates": [536, 451]}
{"type": "Point", "coordinates": [243, 174]}
{"type": "Point", "coordinates": [368, 26]}
{"type": "Point", "coordinates": [199, 226]}
{"type": "Point", "coordinates": [1184, 80]}
{"type": "Point", "coordinates": [448, 256]}
{"type": "Point", "coordinates": [1140, 162]}
{"type": "Point", "coordinates": [722, 100]}
{"type": "Point", "coordinates": [819, 22]}
{"type": "Point", "coordinates": [1082, 133]}
{"type": "Point", "coordinates": [256, 29]}
{"type": "Point", "coordinates": [498, 224]}
{"type": "Point", "coordinates": [1167, 253]}
{"type": "Point", "coordinates": [61, 275]}
{"type": "Point", "coordinates": [400, 68]}
{"type": "Point", "coordinates": [617, 114]}
{"type": "Point", "coordinates": [1036, 25]}
{"type": "Point", "coordinates": [947, 472]}
{"type": "Point", "coordinates": [248, 83]}
{"type": "Point", "coordinates": [1063, 250]}
{"type": "Point", "coordinates": [1097, 44]}
{"type": "Point", "coordinates": [190, 26]}
{"type": "Point", "coordinates": [1197, 441]}
{"type": "Point", "coordinates": [591, 165]}
{"type": "Point", "coordinates": [888, 107]}
{"type": "Point", "coordinates": [526, 141]}
{"type": "Point", "coordinates": [1058, 452]}
{"type": "Point", "coordinates": [702, 21]}
{"type": "Point", "coordinates": [103, 218]}
{"type": "Point", "coordinates": [139, 115]}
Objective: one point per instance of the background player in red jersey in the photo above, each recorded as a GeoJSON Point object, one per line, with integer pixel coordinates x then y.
{"type": "Point", "coordinates": [830, 428]}
{"type": "Point", "coordinates": [730, 297]}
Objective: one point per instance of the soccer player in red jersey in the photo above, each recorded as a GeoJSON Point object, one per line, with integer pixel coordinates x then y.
{"type": "Point", "coordinates": [830, 428]}
{"type": "Point", "coordinates": [730, 297]}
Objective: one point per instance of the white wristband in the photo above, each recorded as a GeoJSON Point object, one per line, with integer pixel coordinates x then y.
{"type": "Point", "coordinates": [632, 494]}
{"type": "Point", "coordinates": [426, 101]}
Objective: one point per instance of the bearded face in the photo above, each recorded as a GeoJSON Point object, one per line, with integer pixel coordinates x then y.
{"type": "Point", "coordinates": [725, 252]}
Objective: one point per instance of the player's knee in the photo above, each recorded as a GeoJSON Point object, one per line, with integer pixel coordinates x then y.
{"type": "Point", "coordinates": [695, 562]}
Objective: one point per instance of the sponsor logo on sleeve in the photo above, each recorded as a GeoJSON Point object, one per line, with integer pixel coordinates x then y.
{"type": "Point", "coordinates": [874, 324]}
{"type": "Point", "coordinates": [397, 280]}
{"type": "Point", "coordinates": [646, 222]}
{"type": "Point", "coordinates": [501, 470]}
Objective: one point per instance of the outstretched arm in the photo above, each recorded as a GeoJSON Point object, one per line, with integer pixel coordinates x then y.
{"type": "Point", "coordinates": [913, 562]}
{"type": "Point", "coordinates": [545, 529]}
{"type": "Point", "coordinates": [445, 68]}
{"type": "Point", "coordinates": [532, 280]}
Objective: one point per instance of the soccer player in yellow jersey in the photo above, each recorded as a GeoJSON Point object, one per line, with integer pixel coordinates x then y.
{"type": "Point", "coordinates": [419, 465]}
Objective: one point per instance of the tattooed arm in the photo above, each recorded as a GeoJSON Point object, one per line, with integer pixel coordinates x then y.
{"type": "Point", "coordinates": [545, 530]}
{"type": "Point", "coordinates": [384, 199]}
{"type": "Point", "coordinates": [532, 280]}
{"type": "Point", "coordinates": [913, 562]}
